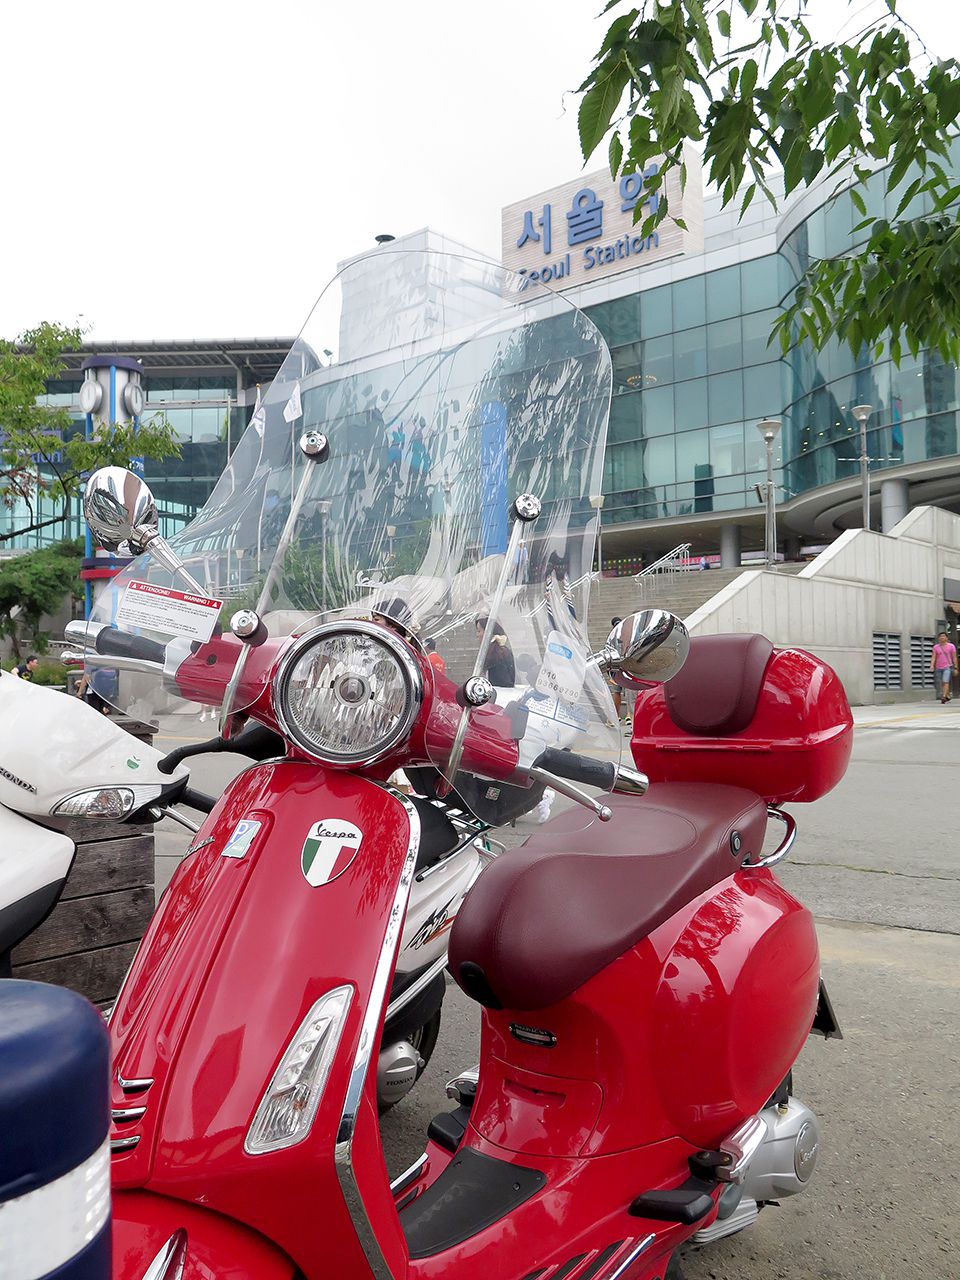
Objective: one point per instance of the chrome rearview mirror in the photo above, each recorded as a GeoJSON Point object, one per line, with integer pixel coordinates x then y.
{"type": "Point", "coordinates": [121, 514]}
{"type": "Point", "coordinates": [119, 508]}
{"type": "Point", "coordinates": [648, 647]}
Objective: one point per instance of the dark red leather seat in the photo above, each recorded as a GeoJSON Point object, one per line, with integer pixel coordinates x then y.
{"type": "Point", "coordinates": [544, 918]}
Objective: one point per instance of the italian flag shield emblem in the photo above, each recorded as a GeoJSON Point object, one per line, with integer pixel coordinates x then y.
{"type": "Point", "coordinates": [330, 847]}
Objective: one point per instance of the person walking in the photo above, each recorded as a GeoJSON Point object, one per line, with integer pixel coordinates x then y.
{"type": "Point", "coordinates": [434, 658]}
{"type": "Point", "coordinates": [943, 663]}
{"type": "Point", "coordinates": [26, 669]}
{"type": "Point", "coordinates": [499, 668]}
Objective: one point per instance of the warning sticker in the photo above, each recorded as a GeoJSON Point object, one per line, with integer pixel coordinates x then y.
{"type": "Point", "coordinates": [178, 613]}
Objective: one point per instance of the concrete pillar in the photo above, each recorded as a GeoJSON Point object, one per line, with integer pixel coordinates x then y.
{"type": "Point", "coordinates": [894, 503]}
{"type": "Point", "coordinates": [729, 546]}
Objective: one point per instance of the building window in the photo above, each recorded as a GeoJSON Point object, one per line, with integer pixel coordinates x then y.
{"type": "Point", "coordinates": [887, 665]}
{"type": "Point", "coordinates": [725, 396]}
{"type": "Point", "coordinates": [689, 303]}
{"type": "Point", "coordinates": [690, 404]}
{"type": "Point", "coordinates": [760, 282]}
{"type": "Point", "coordinates": [723, 346]}
{"type": "Point", "coordinates": [762, 392]}
{"type": "Point", "coordinates": [723, 294]}
{"type": "Point", "coordinates": [658, 411]}
{"type": "Point", "coordinates": [757, 346]}
{"type": "Point", "coordinates": [656, 312]}
{"type": "Point", "coordinates": [618, 321]}
{"type": "Point", "coordinates": [690, 353]}
{"type": "Point", "coordinates": [625, 418]}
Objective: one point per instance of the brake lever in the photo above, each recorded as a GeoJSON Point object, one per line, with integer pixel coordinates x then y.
{"type": "Point", "coordinates": [565, 788]}
{"type": "Point", "coordinates": [156, 813]}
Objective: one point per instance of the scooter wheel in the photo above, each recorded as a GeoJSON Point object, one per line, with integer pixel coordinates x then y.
{"type": "Point", "coordinates": [674, 1270]}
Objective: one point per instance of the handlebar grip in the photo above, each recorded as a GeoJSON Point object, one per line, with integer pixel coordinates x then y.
{"type": "Point", "coordinates": [196, 800]}
{"type": "Point", "coordinates": [567, 764]}
{"type": "Point", "coordinates": [121, 644]}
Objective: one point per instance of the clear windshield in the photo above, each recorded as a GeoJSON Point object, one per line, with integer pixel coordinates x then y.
{"type": "Point", "coordinates": [443, 394]}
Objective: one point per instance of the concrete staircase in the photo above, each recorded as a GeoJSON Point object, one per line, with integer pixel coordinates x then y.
{"type": "Point", "coordinates": [611, 598]}
{"type": "Point", "coordinates": [681, 594]}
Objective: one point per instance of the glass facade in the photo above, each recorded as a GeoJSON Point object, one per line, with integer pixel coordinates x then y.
{"type": "Point", "coordinates": [693, 374]}
{"type": "Point", "coordinates": [914, 406]}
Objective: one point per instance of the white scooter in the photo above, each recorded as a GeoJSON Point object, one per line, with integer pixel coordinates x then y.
{"type": "Point", "coordinates": [62, 762]}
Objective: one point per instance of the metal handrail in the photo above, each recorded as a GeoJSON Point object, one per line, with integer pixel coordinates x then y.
{"type": "Point", "coordinates": [669, 561]}
{"type": "Point", "coordinates": [664, 568]}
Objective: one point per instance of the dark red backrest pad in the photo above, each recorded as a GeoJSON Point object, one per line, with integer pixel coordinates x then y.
{"type": "Point", "coordinates": [776, 721]}
{"type": "Point", "coordinates": [717, 688]}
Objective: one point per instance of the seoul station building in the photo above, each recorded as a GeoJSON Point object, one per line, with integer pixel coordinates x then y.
{"type": "Point", "coordinates": [687, 315]}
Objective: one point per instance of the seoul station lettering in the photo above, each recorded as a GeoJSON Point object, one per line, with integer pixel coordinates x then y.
{"type": "Point", "coordinates": [583, 222]}
{"type": "Point", "coordinates": [593, 256]}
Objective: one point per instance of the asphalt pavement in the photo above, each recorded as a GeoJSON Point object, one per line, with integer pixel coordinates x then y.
{"type": "Point", "coordinates": [877, 861]}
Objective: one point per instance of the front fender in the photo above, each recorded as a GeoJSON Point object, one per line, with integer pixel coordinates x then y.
{"type": "Point", "coordinates": [147, 1227]}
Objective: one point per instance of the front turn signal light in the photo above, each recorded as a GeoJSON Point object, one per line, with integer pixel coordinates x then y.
{"type": "Point", "coordinates": [289, 1106]}
{"type": "Point", "coordinates": [103, 802]}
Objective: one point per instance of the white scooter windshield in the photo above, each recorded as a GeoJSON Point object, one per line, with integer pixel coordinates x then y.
{"type": "Point", "coordinates": [443, 392]}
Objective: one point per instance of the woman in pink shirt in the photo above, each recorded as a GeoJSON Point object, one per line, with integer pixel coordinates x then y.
{"type": "Point", "coordinates": [944, 664]}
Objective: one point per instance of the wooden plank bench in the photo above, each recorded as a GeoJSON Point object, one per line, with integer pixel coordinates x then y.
{"type": "Point", "coordinates": [88, 940]}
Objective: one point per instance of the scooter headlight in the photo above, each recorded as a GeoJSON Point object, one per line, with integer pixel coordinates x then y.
{"type": "Point", "coordinates": [290, 1103]}
{"type": "Point", "coordinates": [348, 692]}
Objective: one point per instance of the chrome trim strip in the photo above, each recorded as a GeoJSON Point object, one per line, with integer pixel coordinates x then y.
{"type": "Point", "coordinates": [409, 1176]}
{"type": "Point", "coordinates": [132, 1086]}
{"type": "Point", "coordinates": [785, 845]}
{"type": "Point", "coordinates": [123, 1115]}
{"type": "Point", "coordinates": [468, 842]}
{"type": "Point", "coordinates": [124, 1144]}
{"type": "Point", "coordinates": [630, 1259]}
{"type": "Point", "coordinates": [414, 989]}
{"type": "Point", "coordinates": [169, 1262]}
{"type": "Point", "coordinates": [368, 1044]}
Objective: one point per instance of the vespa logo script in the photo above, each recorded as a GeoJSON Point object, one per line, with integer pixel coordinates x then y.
{"type": "Point", "coordinates": [330, 847]}
{"type": "Point", "coordinates": [19, 782]}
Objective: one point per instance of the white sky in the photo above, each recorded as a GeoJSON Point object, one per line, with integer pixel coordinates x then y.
{"type": "Point", "coordinates": [196, 170]}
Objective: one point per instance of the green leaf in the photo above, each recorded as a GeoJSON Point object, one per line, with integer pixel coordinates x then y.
{"type": "Point", "coordinates": [723, 23]}
{"type": "Point", "coordinates": [598, 106]}
{"type": "Point", "coordinates": [615, 155]}
{"type": "Point", "coordinates": [748, 78]}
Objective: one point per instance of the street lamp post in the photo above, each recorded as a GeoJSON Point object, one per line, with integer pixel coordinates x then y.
{"type": "Point", "coordinates": [769, 429]}
{"type": "Point", "coordinates": [597, 501]}
{"type": "Point", "coordinates": [861, 413]}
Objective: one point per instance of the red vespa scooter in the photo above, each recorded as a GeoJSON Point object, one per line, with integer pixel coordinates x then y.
{"type": "Point", "coordinates": [646, 984]}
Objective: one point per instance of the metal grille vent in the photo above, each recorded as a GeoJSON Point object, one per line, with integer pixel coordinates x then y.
{"type": "Point", "coordinates": [887, 666]}
{"type": "Point", "coordinates": [921, 651]}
